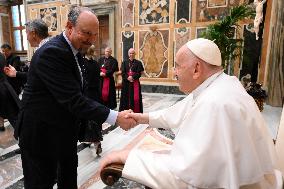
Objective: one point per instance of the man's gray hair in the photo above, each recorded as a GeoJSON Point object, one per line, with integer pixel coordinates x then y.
{"type": "Point", "coordinates": [75, 12]}
{"type": "Point", "coordinates": [39, 27]}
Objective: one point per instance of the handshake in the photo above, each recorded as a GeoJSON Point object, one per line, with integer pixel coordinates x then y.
{"type": "Point", "coordinates": [127, 119]}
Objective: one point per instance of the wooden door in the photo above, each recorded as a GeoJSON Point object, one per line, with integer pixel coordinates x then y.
{"type": "Point", "coordinates": [103, 38]}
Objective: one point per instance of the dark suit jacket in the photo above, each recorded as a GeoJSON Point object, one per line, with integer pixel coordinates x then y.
{"type": "Point", "coordinates": [93, 79]}
{"type": "Point", "coordinates": [22, 76]}
{"type": "Point", "coordinates": [53, 102]}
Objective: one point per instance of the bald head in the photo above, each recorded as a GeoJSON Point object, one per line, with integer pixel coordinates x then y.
{"type": "Point", "coordinates": [108, 52]}
{"type": "Point", "coordinates": [131, 54]}
{"type": "Point", "coordinates": [76, 11]}
{"type": "Point", "coordinates": [82, 28]}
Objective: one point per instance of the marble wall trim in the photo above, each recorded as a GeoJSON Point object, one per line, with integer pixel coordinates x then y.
{"type": "Point", "coordinates": [183, 11]}
{"type": "Point", "coordinates": [154, 53]}
{"type": "Point", "coordinates": [161, 89]}
{"type": "Point", "coordinates": [127, 43]}
{"type": "Point", "coordinates": [127, 13]}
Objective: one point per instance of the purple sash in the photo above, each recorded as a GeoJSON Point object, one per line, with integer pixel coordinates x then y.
{"type": "Point", "coordinates": [105, 88]}
{"type": "Point", "coordinates": [136, 90]}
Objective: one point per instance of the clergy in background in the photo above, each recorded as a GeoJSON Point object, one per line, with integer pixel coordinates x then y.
{"type": "Point", "coordinates": [222, 139]}
{"type": "Point", "coordinates": [108, 66]}
{"type": "Point", "coordinates": [131, 96]}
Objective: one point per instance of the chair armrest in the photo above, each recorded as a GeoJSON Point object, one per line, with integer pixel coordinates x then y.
{"type": "Point", "coordinates": [111, 173]}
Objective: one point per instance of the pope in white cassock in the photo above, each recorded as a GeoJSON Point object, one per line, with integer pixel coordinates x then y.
{"type": "Point", "coordinates": [222, 140]}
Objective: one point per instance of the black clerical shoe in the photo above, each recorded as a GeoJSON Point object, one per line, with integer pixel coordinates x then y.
{"type": "Point", "coordinates": [87, 145]}
{"type": "Point", "coordinates": [99, 149]}
{"type": "Point", "coordinates": [2, 129]}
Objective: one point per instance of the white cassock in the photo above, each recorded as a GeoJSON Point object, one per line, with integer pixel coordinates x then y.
{"type": "Point", "coordinates": [222, 142]}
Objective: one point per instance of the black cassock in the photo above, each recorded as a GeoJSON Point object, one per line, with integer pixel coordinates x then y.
{"type": "Point", "coordinates": [9, 100]}
{"type": "Point", "coordinates": [131, 97]}
{"type": "Point", "coordinates": [16, 82]}
{"type": "Point", "coordinates": [108, 91]}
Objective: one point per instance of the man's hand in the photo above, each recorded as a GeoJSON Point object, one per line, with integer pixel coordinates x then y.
{"type": "Point", "coordinates": [139, 117]}
{"type": "Point", "coordinates": [102, 74]}
{"type": "Point", "coordinates": [114, 157]}
{"type": "Point", "coordinates": [130, 79]}
{"type": "Point", "coordinates": [10, 71]}
{"type": "Point", "coordinates": [124, 121]}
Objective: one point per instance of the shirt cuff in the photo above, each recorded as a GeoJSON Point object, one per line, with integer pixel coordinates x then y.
{"type": "Point", "coordinates": [111, 118]}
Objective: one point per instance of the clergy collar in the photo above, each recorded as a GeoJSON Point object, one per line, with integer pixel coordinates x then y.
{"type": "Point", "coordinates": [74, 51]}
{"type": "Point", "coordinates": [196, 92]}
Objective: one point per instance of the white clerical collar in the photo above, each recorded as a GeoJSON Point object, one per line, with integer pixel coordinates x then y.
{"type": "Point", "coordinates": [205, 84]}
{"type": "Point", "coordinates": [74, 51]}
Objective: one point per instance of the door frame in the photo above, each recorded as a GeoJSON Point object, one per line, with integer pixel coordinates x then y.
{"type": "Point", "coordinates": [104, 10]}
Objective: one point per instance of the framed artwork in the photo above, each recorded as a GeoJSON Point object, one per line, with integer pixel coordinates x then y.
{"type": "Point", "coordinates": [199, 31]}
{"type": "Point", "coordinates": [217, 3]}
{"type": "Point", "coordinates": [127, 10]}
{"type": "Point", "coordinates": [153, 12]}
{"type": "Point", "coordinates": [49, 16]}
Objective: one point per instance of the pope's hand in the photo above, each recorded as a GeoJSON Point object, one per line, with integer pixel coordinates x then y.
{"type": "Point", "coordinates": [140, 118]}
{"type": "Point", "coordinates": [114, 157]}
{"type": "Point", "coordinates": [124, 121]}
{"type": "Point", "coordinates": [135, 116]}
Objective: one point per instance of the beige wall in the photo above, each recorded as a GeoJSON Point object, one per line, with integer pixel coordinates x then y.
{"type": "Point", "coordinates": [5, 33]}
{"type": "Point", "coordinates": [155, 43]}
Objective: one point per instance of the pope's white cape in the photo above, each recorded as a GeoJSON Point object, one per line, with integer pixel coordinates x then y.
{"type": "Point", "coordinates": [222, 142]}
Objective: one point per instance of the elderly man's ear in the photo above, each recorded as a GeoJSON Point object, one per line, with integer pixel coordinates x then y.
{"type": "Point", "coordinates": [197, 70]}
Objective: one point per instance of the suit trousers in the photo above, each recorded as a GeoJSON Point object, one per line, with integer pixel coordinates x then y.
{"type": "Point", "coordinates": [43, 173]}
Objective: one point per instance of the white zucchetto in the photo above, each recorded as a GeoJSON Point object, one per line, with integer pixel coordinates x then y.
{"type": "Point", "coordinates": [206, 50]}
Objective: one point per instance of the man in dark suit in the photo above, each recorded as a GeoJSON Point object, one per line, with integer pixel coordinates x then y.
{"type": "Point", "coordinates": [53, 104]}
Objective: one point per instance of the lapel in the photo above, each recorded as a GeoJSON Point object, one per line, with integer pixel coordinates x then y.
{"type": "Point", "coordinates": [75, 68]}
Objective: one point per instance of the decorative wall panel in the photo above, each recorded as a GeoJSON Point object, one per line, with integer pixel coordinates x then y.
{"type": "Point", "coordinates": [154, 53]}
{"type": "Point", "coordinates": [199, 31]}
{"type": "Point", "coordinates": [182, 36]}
{"type": "Point", "coordinates": [183, 11]}
{"type": "Point", "coordinates": [209, 10]}
{"type": "Point", "coordinates": [127, 7]}
{"type": "Point", "coordinates": [127, 43]}
{"type": "Point", "coordinates": [49, 16]}
{"type": "Point", "coordinates": [33, 14]}
{"type": "Point", "coordinates": [153, 11]}
{"type": "Point", "coordinates": [216, 3]}
{"type": "Point", "coordinates": [64, 9]}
